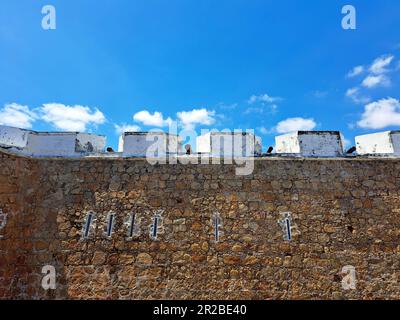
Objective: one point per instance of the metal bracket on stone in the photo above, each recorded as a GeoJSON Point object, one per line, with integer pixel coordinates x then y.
{"type": "Point", "coordinates": [286, 224]}
{"type": "Point", "coordinates": [89, 226]}
{"type": "Point", "coordinates": [3, 221]}
{"type": "Point", "coordinates": [156, 226]}
{"type": "Point", "coordinates": [110, 224]}
{"type": "Point", "coordinates": [217, 226]}
{"type": "Point", "coordinates": [132, 223]}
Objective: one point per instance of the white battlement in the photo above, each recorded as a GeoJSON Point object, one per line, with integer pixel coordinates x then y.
{"type": "Point", "coordinates": [11, 137]}
{"type": "Point", "coordinates": [152, 144]}
{"type": "Point", "coordinates": [311, 143]}
{"type": "Point", "coordinates": [229, 144]}
{"type": "Point", "coordinates": [50, 144]}
{"type": "Point", "coordinates": [213, 144]}
{"type": "Point", "coordinates": [387, 142]}
{"type": "Point", "coordinates": [63, 144]}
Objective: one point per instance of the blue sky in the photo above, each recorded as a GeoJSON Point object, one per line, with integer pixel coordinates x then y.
{"type": "Point", "coordinates": [272, 66]}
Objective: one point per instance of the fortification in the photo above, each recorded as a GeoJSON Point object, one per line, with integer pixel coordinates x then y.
{"type": "Point", "coordinates": [121, 228]}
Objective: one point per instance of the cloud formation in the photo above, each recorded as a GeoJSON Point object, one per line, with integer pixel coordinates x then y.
{"type": "Point", "coordinates": [156, 119]}
{"type": "Point", "coordinates": [377, 77]}
{"type": "Point", "coordinates": [376, 81]}
{"type": "Point", "coordinates": [186, 119]}
{"type": "Point", "coordinates": [356, 96]}
{"type": "Point", "coordinates": [120, 129]}
{"type": "Point", "coordinates": [379, 65]}
{"type": "Point", "coordinates": [295, 124]}
{"type": "Point", "coordinates": [381, 114]}
{"type": "Point", "coordinates": [16, 115]}
{"type": "Point", "coordinates": [71, 118]}
{"type": "Point", "coordinates": [260, 110]}
{"type": "Point", "coordinates": [355, 71]}
{"type": "Point", "coordinates": [264, 130]}
{"type": "Point", "coordinates": [263, 98]}
{"type": "Point", "coordinates": [189, 119]}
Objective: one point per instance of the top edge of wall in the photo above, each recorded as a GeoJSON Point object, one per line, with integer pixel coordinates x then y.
{"type": "Point", "coordinates": [19, 141]}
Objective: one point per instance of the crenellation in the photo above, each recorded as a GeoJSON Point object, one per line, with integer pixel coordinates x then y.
{"type": "Point", "coordinates": [383, 143]}
{"type": "Point", "coordinates": [311, 144]}
{"type": "Point", "coordinates": [214, 147]}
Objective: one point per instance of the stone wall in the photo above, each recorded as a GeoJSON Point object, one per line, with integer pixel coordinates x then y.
{"type": "Point", "coordinates": [343, 212]}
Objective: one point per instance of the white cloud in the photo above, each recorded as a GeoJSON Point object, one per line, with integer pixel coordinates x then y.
{"type": "Point", "coordinates": [377, 77]}
{"type": "Point", "coordinates": [190, 119]}
{"type": "Point", "coordinates": [295, 124]}
{"type": "Point", "coordinates": [263, 98]}
{"type": "Point", "coordinates": [375, 81]}
{"type": "Point", "coordinates": [264, 130]}
{"type": "Point", "coordinates": [351, 92]}
{"type": "Point", "coordinates": [156, 119]}
{"type": "Point", "coordinates": [120, 129]}
{"type": "Point", "coordinates": [17, 115]}
{"type": "Point", "coordinates": [379, 65]}
{"type": "Point", "coordinates": [351, 125]}
{"type": "Point", "coordinates": [354, 94]}
{"type": "Point", "coordinates": [71, 118]}
{"type": "Point", "coordinates": [252, 110]}
{"type": "Point", "coordinates": [381, 114]}
{"type": "Point", "coordinates": [187, 119]}
{"type": "Point", "coordinates": [355, 71]}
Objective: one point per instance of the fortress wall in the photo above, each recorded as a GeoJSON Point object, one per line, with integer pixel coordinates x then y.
{"type": "Point", "coordinates": [342, 212]}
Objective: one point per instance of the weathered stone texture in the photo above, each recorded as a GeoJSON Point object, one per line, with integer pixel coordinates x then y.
{"type": "Point", "coordinates": [343, 211]}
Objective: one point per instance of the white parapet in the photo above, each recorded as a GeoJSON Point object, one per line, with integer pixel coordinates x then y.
{"type": "Point", "coordinates": [387, 142]}
{"type": "Point", "coordinates": [149, 144]}
{"type": "Point", "coordinates": [50, 144]}
{"type": "Point", "coordinates": [311, 143]}
{"type": "Point", "coordinates": [63, 144]}
{"type": "Point", "coordinates": [11, 137]}
{"type": "Point", "coordinates": [229, 144]}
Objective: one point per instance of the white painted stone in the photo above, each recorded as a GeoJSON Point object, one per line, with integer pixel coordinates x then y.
{"type": "Point", "coordinates": [51, 144]}
{"type": "Point", "coordinates": [229, 144]}
{"type": "Point", "coordinates": [3, 221]}
{"type": "Point", "coordinates": [203, 143]}
{"type": "Point", "coordinates": [63, 144]}
{"type": "Point", "coordinates": [86, 142]}
{"type": "Point", "coordinates": [387, 142]}
{"type": "Point", "coordinates": [311, 143]}
{"type": "Point", "coordinates": [13, 137]}
{"type": "Point", "coordinates": [152, 144]}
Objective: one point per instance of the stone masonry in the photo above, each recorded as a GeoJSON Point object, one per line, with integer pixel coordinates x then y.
{"type": "Point", "coordinates": [343, 211]}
